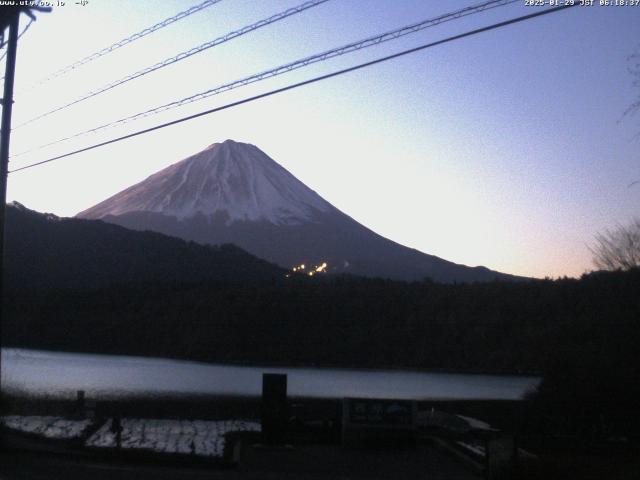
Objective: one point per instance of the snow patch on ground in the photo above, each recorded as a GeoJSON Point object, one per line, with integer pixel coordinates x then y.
{"type": "Point", "coordinates": [49, 427]}
{"type": "Point", "coordinates": [477, 449]}
{"type": "Point", "coordinates": [197, 437]}
{"type": "Point", "coordinates": [475, 423]}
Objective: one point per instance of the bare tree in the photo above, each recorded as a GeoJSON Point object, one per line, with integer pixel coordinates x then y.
{"type": "Point", "coordinates": [618, 249]}
{"type": "Point", "coordinates": [634, 70]}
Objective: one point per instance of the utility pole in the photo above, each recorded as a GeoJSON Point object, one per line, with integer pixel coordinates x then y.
{"type": "Point", "coordinates": [5, 136]}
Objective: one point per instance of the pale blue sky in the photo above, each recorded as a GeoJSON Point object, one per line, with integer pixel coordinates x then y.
{"type": "Point", "coordinates": [506, 149]}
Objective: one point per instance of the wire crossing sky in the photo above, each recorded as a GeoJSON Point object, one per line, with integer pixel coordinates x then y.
{"type": "Point", "coordinates": [301, 84]}
{"type": "Point", "coordinates": [24, 30]}
{"type": "Point", "coordinates": [183, 55]}
{"type": "Point", "coordinates": [131, 38]}
{"type": "Point", "coordinates": [326, 55]}
{"type": "Point", "coordinates": [508, 149]}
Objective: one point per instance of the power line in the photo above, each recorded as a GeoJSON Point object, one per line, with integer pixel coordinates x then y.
{"type": "Point", "coordinates": [335, 52]}
{"type": "Point", "coordinates": [127, 40]}
{"type": "Point", "coordinates": [352, 47]}
{"type": "Point", "coordinates": [21, 33]}
{"type": "Point", "coordinates": [181, 56]}
{"type": "Point", "coordinates": [303, 83]}
{"type": "Point", "coordinates": [31, 20]}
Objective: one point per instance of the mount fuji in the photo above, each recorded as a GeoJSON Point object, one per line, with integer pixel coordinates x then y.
{"type": "Point", "coordinates": [233, 192]}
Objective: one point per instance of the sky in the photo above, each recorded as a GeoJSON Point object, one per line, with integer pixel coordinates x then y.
{"type": "Point", "coordinates": [507, 149]}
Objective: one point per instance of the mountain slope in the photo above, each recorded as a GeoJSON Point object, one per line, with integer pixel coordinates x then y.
{"type": "Point", "coordinates": [237, 179]}
{"type": "Point", "coordinates": [45, 251]}
{"type": "Point", "coordinates": [234, 193]}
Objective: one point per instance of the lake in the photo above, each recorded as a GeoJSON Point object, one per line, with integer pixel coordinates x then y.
{"type": "Point", "coordinates": [60, 375]}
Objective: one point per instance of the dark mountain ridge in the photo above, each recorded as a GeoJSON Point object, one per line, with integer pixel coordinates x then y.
{"type": "Point", "coordinates": [44, 251]}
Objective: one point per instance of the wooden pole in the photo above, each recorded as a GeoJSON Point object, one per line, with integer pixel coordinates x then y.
{"type": "Point", "coordinates": [5, 137]}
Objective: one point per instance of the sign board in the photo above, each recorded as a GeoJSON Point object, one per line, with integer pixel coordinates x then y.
{"type": "Point", "coordinates": [274, 408]}
{"type": "Point", "coordinates": [368, 419]}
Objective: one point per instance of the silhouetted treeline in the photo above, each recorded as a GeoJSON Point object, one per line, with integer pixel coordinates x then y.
{"type": "Point", "coordinates": [494, 327]}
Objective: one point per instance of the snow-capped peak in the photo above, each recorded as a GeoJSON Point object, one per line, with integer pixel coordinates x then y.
{"type": "Point", "coordinates": [236, 179]}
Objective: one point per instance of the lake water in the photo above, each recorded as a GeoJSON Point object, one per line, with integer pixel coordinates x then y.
{"type": "Point", "coordinates": [60, 375]}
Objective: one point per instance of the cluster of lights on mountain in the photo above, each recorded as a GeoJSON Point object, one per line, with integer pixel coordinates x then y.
{"type": "Point", "coordinates": [302, 268]}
